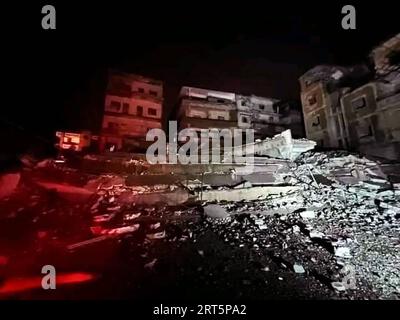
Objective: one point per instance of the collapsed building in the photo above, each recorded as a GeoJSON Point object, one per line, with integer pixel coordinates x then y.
{"type": "Point", "coordinates": [352, 108]}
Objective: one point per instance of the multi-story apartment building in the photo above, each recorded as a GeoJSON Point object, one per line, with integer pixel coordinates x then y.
{"type": "Point", "coordinates": [372, 111]}
{"type": "Point", "coordinates": [204, 109]}
{"type": "Point", "coordinates": [355, 108]}
{"type": "Point", "coordinates": [260, 114]}
{"type": "Point", "coordinates": [133, 106]}
{"type": "Point", "coordinates": [321, 90]}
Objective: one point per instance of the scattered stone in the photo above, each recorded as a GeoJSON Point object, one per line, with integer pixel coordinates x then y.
{"type": "Point", "coordinates": [298, 268]}
{"type": "Point", "coordinates": [215, 211]}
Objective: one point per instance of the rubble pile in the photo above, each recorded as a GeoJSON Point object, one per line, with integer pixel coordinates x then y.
{"type": "Point", "coordinates": [331, 229]}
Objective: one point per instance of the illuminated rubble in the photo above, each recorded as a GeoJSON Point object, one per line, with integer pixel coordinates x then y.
{"type": "Point", "coordinates": [330, 227]}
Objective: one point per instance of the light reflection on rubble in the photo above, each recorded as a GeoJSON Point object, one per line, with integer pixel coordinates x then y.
{"type": "Point", "coordinates": [344, 214]}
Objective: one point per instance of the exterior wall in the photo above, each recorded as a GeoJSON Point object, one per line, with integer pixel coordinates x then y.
{"type": "Point", "coordinates": [133, 106]}
{"type": "Point", "coordinates": [315, 114]}
{"type": "Point", "coordinates": [373, 124]}
{"type": "Point", "coordinates": [204, 109]}
{"type": "Point", "coordinates": [323, 119]}
{"type": "Point", "coordinates": [258, 113]}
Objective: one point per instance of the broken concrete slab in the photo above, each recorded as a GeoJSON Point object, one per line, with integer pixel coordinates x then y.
{"type": "Point", "coordinates": [215, 211]}
{"type": "Point", "coordinates": [176, 197]}
{"type": "Point", "coordinates": [248, 194]}
{"type": "Point", "coordinates": [68, 192]}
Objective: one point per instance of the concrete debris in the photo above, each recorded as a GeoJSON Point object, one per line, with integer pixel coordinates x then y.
{"type": "Point", "coordinates": [151, 264]}
{"type": "Point", "coordinates": [343, 252]}
{"type": "Point", "coordinates": [155, 236]}
{"type": "Point", "coordinates": [307, 214]}
{"type": "Point", "coordinates": [298, 268]}
{"type": "Point", "coordinates": [122, 230]}
{"type": "Point", "coordinates": [247, 194]}
{"type": "Point", "coordinates": [339, 286]}
{"type": "Point", "coordinates": [155, 226]}
{"type": "Point", "coordinates": [215, 211]}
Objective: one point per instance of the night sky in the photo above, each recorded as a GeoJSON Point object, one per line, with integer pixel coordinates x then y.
{"type": "Point", "coordinates": [56, 78]}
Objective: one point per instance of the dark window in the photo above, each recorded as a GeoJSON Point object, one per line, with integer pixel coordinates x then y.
{"type": "Point", "coordinates": [125, 108]}
{"type": "Point", "coordinates": [359, 103]}
{"type": "Point", "coordinates": [316, 122]}
{"type": "Point", "coordinates": [275, 108]}
{"type": "Point", "coordinates": [271, 119]}
{"type": "Point", "coordinates": [221, 118]}
{"type": "Point", "coordinates": [153, 93]}
{"type": "Point", "coordinates": [141, 90]}
{"type": "Point", "coordinates": [115, 105]}
{"type": "Point", "coordinates": [244, 120]}
{"type": "Point", "coordinates": [364, 131]}
{"type": "Point", "coordinates": [139, 111]}
{"type": "Point", "coordinates": [262, 107]}
{"type": "Point", "coordinates": [243, 103]}
{"type": "Point", "coordinates": [220, 100]}
{"type": "Point", "coordinates": [311, 100]}
{"type": "Point", "coordinates": [152, 112]}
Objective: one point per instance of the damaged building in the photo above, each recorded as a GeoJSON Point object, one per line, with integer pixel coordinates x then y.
{"type": "Point", "coordinates": [354, 108]}
{"type": "Point", "coordinates": [133, 106]}
{"type": "Point", "coordinates": [372, 111]}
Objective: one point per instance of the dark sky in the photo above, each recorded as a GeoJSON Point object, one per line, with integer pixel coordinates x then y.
{"type": "Point", "coordinates": [56, 78]}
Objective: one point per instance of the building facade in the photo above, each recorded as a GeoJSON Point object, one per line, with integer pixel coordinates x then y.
{"type": "Point", "coordinates": [356, 108]}
{"type": "Point", "coordinates": [133, 106]}
{"type": "Point", "coordinates": [372, 111]}
{"type": "Point", "coordinates": [204, 109]}
{"type": "Point", "coordinates": [260, 114]}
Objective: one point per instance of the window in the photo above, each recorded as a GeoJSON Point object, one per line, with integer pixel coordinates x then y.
{"type": "Point", "coordinates": [316, 122]}
{"type": "Point", "coordinates": [220, 100]}
{"type": "Point", "coordinates": [243, 103]}
{"type": "Point", "coordinates": [115, 105]}
{"type": "Point", "coordinates": [153, 93]}
{"type": "Point", "coordinates": [152, 112]}
{"type": "Point", "coordinates": [244, 120]}
{"type": "Point", "coordinates": [125, 108]}
{"type": "Point", "coordinates": [262, 107]}
{"type": "Point", "coordinates": [311, 100]}
{"type": "Point", "coordinates": [359, 103]}
{"type": "Point", "coordinates": [139, 110]}
{"type": "Point", "coordinates": [364, 130]}
{"type": "Point", "coordinates": [221, 118]}
{"type": "Point", "coordinates": [271, 119]}
{"type": "Point", "coordinates": [140, 90]}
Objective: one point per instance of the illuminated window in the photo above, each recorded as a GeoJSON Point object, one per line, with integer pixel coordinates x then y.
{"type": "Point", "coordinates": [152, 112]}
